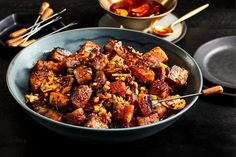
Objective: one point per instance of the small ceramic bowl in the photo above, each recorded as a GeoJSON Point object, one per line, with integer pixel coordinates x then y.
{"type": "Point", "coordinates": [138, 23]}
{"type": "Point", "coordinates": [19, 70]}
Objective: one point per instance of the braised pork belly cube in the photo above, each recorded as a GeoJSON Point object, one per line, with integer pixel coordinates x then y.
{"type": "Point", "coordinates": [159, 88]}
{"type": "Point", "coordinates": [87, 48]}
{"type": "Point", "coordinates": [178, 76]}
{"type": "Point", "coordinates": [133, 99]}
{"type": "Point", "coordinates": [145, 104]}
{"type": "Point", "coordinates": [58, 99]}
{"type": "Point", "coordinates": [130, 55]}
{"type": "Point", "coordinates": [160, 110]}
{"type": "Point", "coordinates": [115, 46]}
{"type": "Point", "coordinates": [143, 73]}
{"type": "Point", "coordinates": [115, 64]}
{"type": "Point", "coordinates": [154, 57]}
{"type": "Point", "coordinates": [81, 96]}
{"type": "Point", "coordinates": [83, 74]}
{"type": "Point", "coordinates": [123, 113]}
{"type": "Point", "coordinates": [95, 121]}
{"type": "Point", "coordinates": [66, 83]}
{"type": "Point", "coordinates": [58, 54]}
{"type": "Point", "coordinates": [72, 61]}
{"type": "Point", "coordinates": [99, 62]}
{"type": "Point", "coordinates": [148, 119]}
{"type": "Point", "coordinates": [48, 65]}
{"type": "Point", "coordinates": [118, 87]}
{"type": "Point", "coordinates": [109, 46]}
{"type": "Point", "coordinates": [40, 107]}
{"type": "Point", "coordinates": [126, 52]}
{"type": "Point", "coordinates": [52, 114]}
{"type": "Point", "coordinates": [41, 80]}
{"type": "Point", "coordinates": [77, 117]}
{"type": "Point", "coordinates": [161, 71]}
{"type": "Point", "coordinates": [100, 77]}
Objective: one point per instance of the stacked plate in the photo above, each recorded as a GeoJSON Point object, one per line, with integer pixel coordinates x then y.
{"type": "Point", "coordinates": [217, 60]}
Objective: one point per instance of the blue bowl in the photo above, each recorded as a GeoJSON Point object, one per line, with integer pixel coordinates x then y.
{"type": "Point", "coordinates": [19, 68]}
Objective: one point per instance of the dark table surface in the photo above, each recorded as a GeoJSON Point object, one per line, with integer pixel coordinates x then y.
{"type": "Point", "coordinates": [208, 129]}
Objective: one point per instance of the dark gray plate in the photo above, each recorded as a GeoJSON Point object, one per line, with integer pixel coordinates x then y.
{"type": "Point", "coordinates": [217, 59]}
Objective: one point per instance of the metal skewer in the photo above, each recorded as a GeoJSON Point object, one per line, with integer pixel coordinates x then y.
{"type": "Point", "coordinates": [69, 25]}
{"type": "Point", "coordinates": [209, 91]}
{"type": "Point", "coordinates": [39, 28]}
{"type": "Point", "coordinates": [43, 8]}
{"type": "Point", "coordinates": [24, 30]}
{"type": "Point", "coordinates": [18, 40]}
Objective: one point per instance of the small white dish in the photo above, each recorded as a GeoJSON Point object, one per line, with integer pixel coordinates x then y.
{"type": "Point", "coordinates": [179, 29]}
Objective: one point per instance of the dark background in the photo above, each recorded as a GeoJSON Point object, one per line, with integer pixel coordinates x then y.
{"type": "Point", "coordinates": [208, 129]}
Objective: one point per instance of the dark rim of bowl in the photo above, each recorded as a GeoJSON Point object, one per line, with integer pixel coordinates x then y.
{"type": "Point", "coordinates": [140, 18]}
{"type": "Point", "coordinates": [95, 129]}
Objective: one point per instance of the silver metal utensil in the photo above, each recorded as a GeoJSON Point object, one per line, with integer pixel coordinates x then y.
{"type": "Point", "coordinates": [209, 91]}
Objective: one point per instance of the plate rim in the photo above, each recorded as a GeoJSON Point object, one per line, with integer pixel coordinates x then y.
{"type": "Point", "coordinates": [200, 62]}
{"type": "Point", "coordinates": [182, 35]}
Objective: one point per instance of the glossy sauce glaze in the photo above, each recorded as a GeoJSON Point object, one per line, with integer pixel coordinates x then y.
{"type": "Point", "coordinates": [138, 8]}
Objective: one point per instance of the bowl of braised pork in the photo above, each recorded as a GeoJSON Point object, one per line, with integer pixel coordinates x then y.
{"type": "Point", "coordinates": [138, 14]}
{"type": "Point", "coordinates": [99, 84]}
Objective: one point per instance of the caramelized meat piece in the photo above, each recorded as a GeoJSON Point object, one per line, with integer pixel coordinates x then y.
{"type": "Point", "coordinates": [38, 79]}
{"type": "Point", "coordinates": [81, 96]}
{"type": "Point", "coordinates": [148, 119]}
{"type": "Point", "coordinates": [145, 104]}
{"type": "Point", "coordinates": [52, 114]}
{"type": "Point", "coordinates": [58, 99]}
{"type": "Point", "coordinates": [115, 64]}
{"type": "Point", "coordinates": [109, 46]}
{"type": "Point", "coordinates": [160, 110]}
{"type": "Point", "coordinates": [87, 48]}
{"type": "Point", "coordinates": [99, 62]}
{"type": "Point", "coordinates": [143, 73]}
{"type": "Point", "coordinates": [66, 83]}
{"type": "Point", "coordinates": [48, 65]}
{"type": "Point", "coordinates": [161, 72]}
{"type": "Point", "coordinates": [154, 57]}
{"type": "Point", "coordinates": [95, 121]}
{"type": "Point", "coordinates": [100, 77]}
{"type": "Point", "coordinates": [123, 112]}
{"type": "Point", "coordinates": [159, 88]}
{"type": "Point", "coordinates": [133, 99]}
{"type": "Point", "coordinates": [177, 76]}
{"type": "Point", "coordinates": [118, 87]}
{"type": "Point", "coordinates": [115, 46]}
{"type": "Point", "coordinates": [40, 107]}
{"type": "Point", "coordinates": [76, 117]}
{"type": "Point", "coordinates": [127, 53]}
{"type": "Point", "coordinates": [83, 74]}
{"type": "Point", "coordinates": [58, 54]}
{"type": "Point", "coordinates": [130, 56]}
{"type": "Point", "coordinates": [72, 61]}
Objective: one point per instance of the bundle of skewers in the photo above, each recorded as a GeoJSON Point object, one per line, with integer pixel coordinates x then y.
{"type": "Point", "coordinates": [46, 16]}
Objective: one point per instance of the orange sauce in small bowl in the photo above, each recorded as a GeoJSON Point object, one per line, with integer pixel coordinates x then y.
{"type": "Point", "coordinates": [137, 8]}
